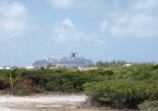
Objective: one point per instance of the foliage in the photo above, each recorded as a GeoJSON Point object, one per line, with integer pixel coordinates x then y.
{"type": "Point", "coordinates": [111, 84]}
{"type": "Point", "coordinates": [149, 106]}
{"type": "Point", "coordinates": [111, 64]}
{"type": "Point", "coordinates": [118, 93]}
{"type": "Point", "coordinates": [63, 79]}
{"type": "Point", "coordinates": [21, 91]}
{"type": "Point", "coordinates": [127, 87]}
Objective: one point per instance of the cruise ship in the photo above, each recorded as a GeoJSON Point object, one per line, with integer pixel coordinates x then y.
{"type": "Point", "coordinates": [68, 62]}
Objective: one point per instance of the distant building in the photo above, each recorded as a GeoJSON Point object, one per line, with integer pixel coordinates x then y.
{"type": "Point", "coordinates": [87, 68]}
{"type": "Point", "coordinates": [30, 67]}
{"type": "Point", "coordinates": [7, 68]}
{"type": "Point", "coordinates": [52, 67]}
{"type": "Point", "coordinates": [127, 65]}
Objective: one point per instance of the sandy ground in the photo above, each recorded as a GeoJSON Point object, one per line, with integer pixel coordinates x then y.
{"type": "Point", "coordinates": [43, 103]}
{"type": "Point", "coordinates": [52, 102]}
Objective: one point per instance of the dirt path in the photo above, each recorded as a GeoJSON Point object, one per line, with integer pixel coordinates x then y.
{"type": "Point", "coordinates": [52, 102]}
{"type": "Point", "coordinates": [43, 103]}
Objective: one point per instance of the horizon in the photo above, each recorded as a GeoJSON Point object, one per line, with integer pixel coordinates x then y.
{"type": "Point", "coordinates": [103, 30]}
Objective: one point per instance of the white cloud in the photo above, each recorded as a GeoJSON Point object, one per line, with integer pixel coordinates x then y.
{"type": "Point", "coordinates": [67, 4]}
{"type": "Point", "coordinates": [62, 4]}
{"type": "Point", "coordinates": [135, 22]}
{"type": "Point", "coordinates": [66, 32]}
{"type": "Point", "coordinates": [134, 25]}
{"type": "Point", "coordinates": [145, 4]}
{"type": "Point", "coordinates": [68, 23]}
{"type": "Point", "coordinates": [13, 18]}
{"type": "Point", "coordinates": [104, 25]}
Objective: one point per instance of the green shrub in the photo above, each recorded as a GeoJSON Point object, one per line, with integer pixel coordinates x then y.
{"type": "Point", "coordinates": [116, 93]}
{"type": "Point", "coordinates": [154, 66]}
{"type": "Point", "coordinates": [114, 86]}
{"type": "Point", "coordinates": [1, 84]}
{"type": "Point", "coordinates": [149, 106]}
{"type": "Point", "coordinates": [21, 91]}
{"type": "Point", "coordinates": [4, 84]}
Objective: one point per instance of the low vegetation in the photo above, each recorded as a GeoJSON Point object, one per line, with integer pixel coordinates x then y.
{"type": "Point", "coordinates": [115, 86]}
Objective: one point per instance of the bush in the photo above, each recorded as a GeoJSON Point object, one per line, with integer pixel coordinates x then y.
{"type": "Point", "coordinates": [21, 91]}
{"type": "Point", "coordinates": [63, 81]}
{"type": "Point", "coordinates": [151, 105]}
{"type": "Point", "coordinates": [114, 86]}
{"type": "Point", "coordinates": [117, 93]}
{"type": "Point", "coordinates": [4, 84]}
{"type": "Point", "coordinates": [154, 66]}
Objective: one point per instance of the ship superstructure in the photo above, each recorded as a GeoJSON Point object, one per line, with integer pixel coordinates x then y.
{"type": "Point", "coordinates": [71, 61]}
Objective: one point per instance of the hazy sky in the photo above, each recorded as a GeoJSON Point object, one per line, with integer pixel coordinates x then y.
{"type": "Point", "coordinates": [96, 29]}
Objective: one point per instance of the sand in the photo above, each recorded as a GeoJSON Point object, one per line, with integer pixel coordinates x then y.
{"type": "Point", "coordinates": [41, 102]}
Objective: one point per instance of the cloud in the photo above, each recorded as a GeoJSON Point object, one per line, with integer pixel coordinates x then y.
{"type": "Point", "coordinates": [68, 23]}
{"type": "Point", "coordinates": [104, 25]}
{"type": "Point", "coordinates": [138, 20]}
{"type": "Point", "coordinates": [66, 32]}
{"type": "Point", "coordinates": [13, 19]}
{"type": "Point", "coordinates": [146, 4]}
{"type": "Point", "coordinates": [134, 25]}
{"type": "Point", "coordinates": [62, 4]}
{"type": "Point", "coordinates": [67, 4]}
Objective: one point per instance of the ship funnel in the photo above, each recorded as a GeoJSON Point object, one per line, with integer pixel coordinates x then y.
{"type": "Point", "coordinates": [73, 54]}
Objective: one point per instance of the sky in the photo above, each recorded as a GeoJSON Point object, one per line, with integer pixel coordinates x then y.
{"type": "Point", "coordinates": [97, 29]}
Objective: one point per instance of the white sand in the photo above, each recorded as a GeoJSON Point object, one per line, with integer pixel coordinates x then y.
{"type": "Point", "coordinates": [48, 99]}
{"type": "Point", "coordinates": [42, 103]}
